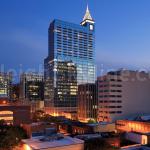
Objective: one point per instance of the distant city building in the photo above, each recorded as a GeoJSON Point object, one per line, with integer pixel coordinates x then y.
{"type": "Point", "coordinates": [72, 127]}
{"type": "Point", "coordinates": [15, 92]}
{"type": "Point", "coordinates": [15, 114]}
{"type": "Point", "coordinates": [37, 128]}
{"type": "Point", "coordinates": [5, 85]}
{"type": "Point", "coordinates": [123, 94]}
{"type": "Point", "coordinates": [140, 124]}
{"type": "Point", "coordinates": [87, 102]}
{"type": "Point", "coordinates": [70, 61]}
{"type": "Point", "coordinates": [32, 87]}
{"type": "Point", "coordinates": [136, 129]}
{"type": "Point", "coordinates": [66, 90]}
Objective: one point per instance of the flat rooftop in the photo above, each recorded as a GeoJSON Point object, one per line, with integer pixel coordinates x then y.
{"type": "Point", "coordinates": [36, 144]}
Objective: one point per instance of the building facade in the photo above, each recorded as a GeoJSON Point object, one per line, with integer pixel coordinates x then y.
{"type": "Point", "coordinates": [136, 130]}
{"type": "Point", "coordinates": [66, 90]}
{"type": "Point", "coordinates": [123, 94]}
{"type": "Point", "coordinates": [32, 87]}
{"type": "Point", "coordinates": [69, 44]}
{"type": "Point", "coordinates": [53, 142]}
{"type": "Point", "coordinates": [15, 92]}
{"type": "Point", "coordinates": [133, 126]}
{"type": "Point", "coordinates": [15, 114]}
{"type": "Point", "coordinates": [87, 102]}
{"type": "Point", "coordinates": [5, 85]}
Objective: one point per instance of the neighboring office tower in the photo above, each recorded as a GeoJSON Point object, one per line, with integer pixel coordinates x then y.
{"type": "Point", "coordinates": [87, 102]}
{"type": "Point", "coordinates": [72, 43]}
{"type": "Point", "coordinates": [66, 84]}
{"type": "Point", "coordinates": [32, 87]}
{"type": "Point", "coordinates": [123, 94]}
{"type": "Point", "coordinates": [5, 85]}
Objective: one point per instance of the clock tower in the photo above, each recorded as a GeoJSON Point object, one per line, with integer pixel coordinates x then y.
{"type": "Point", "coordinates": [88, 20]}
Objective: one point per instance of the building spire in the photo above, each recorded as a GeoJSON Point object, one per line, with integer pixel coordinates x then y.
{"type": "Point", "coordinates": [87, 15]}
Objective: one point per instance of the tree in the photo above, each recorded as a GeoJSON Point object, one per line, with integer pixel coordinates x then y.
{"type": "Point", "coordinates": [2, 122]}
{"type": "Point", "coordinates": [38, 115]}
{"type": "Point", "coordinates": [91, 121]}
{"type": "Point", "coordinates": [11, 136]}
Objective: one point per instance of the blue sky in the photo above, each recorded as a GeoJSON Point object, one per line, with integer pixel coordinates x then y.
{"type": "Point", "coordinates": [122, 31]}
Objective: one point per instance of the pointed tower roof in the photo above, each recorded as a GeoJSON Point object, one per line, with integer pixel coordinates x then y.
{"type": "Point", "coordinates": [87, 15]}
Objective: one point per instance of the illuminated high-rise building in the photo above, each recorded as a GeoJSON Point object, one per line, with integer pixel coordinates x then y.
{"type": "Point", "coordinates": [70, 62]}
{"type": "Point", "coordinates": [5, 85]}
{"type": "Point", "coordinates": [32, 87]}
{"type": "Point", "coordinates": [87, 102]}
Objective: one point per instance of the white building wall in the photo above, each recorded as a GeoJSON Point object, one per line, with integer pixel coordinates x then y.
{"type": "Point", "coordinates": [135, 95]}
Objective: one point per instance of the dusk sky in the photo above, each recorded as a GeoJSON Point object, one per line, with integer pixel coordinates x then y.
{"type": "Point", "coordinates": [122, 31]}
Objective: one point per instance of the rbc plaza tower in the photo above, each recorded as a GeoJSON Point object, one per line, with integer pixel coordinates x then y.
{"type": "Point", "coordinates": [70, 62]}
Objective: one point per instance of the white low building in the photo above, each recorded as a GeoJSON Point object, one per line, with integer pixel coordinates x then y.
{"type": "Point", "coordinates": [64, 143]}
{"type": "Point", "coordinates": [135, 147]}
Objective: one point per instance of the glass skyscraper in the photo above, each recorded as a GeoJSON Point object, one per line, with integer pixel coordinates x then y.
{"type": "Point", "coordinates": [70, 61]}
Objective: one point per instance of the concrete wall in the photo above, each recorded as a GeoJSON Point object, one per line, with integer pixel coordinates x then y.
{"type": "Point", "coordinates": [21, 114]}
{"type": "Point", "coordinates": [134, 96]}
